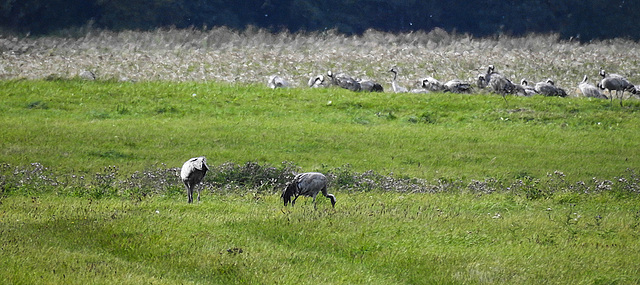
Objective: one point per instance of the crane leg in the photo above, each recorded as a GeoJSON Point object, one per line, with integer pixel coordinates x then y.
{"type": "Point", "coordinates": [620, 97]}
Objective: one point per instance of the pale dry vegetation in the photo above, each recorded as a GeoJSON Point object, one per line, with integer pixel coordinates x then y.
{"type": "Point", "coordinates": [250, 56]}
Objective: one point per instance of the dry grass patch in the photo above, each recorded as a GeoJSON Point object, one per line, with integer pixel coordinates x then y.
{"type": "Point", "coordinates": [250, 56]}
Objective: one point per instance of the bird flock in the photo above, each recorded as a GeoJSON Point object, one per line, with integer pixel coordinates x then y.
{"type": "Point", "coordinates": [492, 81]}
{"type": "Point", "coordinates": [312, 183]}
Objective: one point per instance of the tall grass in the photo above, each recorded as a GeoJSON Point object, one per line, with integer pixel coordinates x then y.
{"type": "Point", "coordinates": [251, 55]}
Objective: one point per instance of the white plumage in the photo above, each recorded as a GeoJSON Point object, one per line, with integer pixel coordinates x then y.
{"type": "Point", "coordinates": [192, 173]}
{"type": "Point", "coordinates": [307, 184]}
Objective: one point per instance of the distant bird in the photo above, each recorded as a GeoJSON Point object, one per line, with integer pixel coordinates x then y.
{"type": "Point", "coordinates": [498, 83]}
{"type": "Point", "coordinates": [453, 86]}
{"type": "Point", "coordinates": [615, 82]}
{"type": "Point", "coordinates": [275, 81]}
{"type": "Point", "coordinates": [548, 88]}
{"type": "Point", "coordinates": [193, 170]}
{"type": "Point", "coordinates": [317, 81]}
{"type": "Point", "coordinates": [589, 90]}
{"type": "Point", "coordinates": [396, 87]}
{"type": "Point", "coordinates": [344, 81]}
{"type": "Point", "coordinates": [482, 81]}
{"type": "Point", "coordinates": [457, 86]}
{"type": "Point", "coordinates": [524, 89]}
{"type": "Point", "coordinates": [87, 75]}
{"type": "Point", "coordinates": [432, 84]}
{"type": "Point", "coordinates": [370, 86]}
{"type": "Point", "coordinates": [307, 184]}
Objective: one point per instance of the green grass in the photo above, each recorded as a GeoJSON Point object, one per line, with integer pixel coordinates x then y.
{"type": "Point", "coordinates": [370, 238]}
{"type": "Point", "coordinates": [85, 126]}
{"type": "Point", "coordinates": [71, 220]}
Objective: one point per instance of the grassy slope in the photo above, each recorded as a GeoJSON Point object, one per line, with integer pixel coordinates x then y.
{"type": "Point", "coordinates": [84, 126]}
{"type": "Point", "coordinates": [381, 238]}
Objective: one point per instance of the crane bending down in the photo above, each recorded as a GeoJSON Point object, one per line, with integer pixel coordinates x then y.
{"type": "Point", "coordinates": [192, 173]}
{"type": "Point", "coordinates": [307, 184]}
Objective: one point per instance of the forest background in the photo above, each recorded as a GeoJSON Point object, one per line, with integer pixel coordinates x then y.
{"type": "Point", "coordinates": [582, 20]}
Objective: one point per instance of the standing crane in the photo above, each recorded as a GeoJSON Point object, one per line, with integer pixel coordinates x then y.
{"type": "Point", "coordinates": [307, 184]}
{"type": "Point", "coordinates": [499, 83]}
{"type": "Point", "coordinates": [615, 82]}
{"type": "Point", "coordinates": [192, 173]}
{"type": "Point", "coordinates": [396, 87]}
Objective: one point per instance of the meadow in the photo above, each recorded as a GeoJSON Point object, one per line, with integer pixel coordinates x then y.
{"type": "Point", "coordinates": [431, 188]}
{"type": "Point", "coordinates": [370, 238]}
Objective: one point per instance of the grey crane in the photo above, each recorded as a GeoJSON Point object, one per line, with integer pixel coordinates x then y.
{"type": "Point", "coordinates": [457, 86]}
{"type": "Point", "coordinates": [307, 184]}
{"type": "Point", "coordinates": [370, 86]}
{"type": "Point", "coordinates": [453, 86]}
{"type": "Point", "coordinates": [192, 173]}
{"type": "Point", "coordinates": [482, 81]}
{"type": "Point", "coordinates": [276, 81]}
{"type": "Point", "coordinates": [344, 81]}
{"type": "Point", "coordinates": [432, 84]}
{"type": "Point", "coordinates": [524, 89]}
{"type": "Point", "coordinates": [589, 90]}
{"type": "Point", "coordinates": [498, 83]}
{"type": "Point", "coordinates": [317, 81]}
{"type": "Point", "coordinates": [394, 85]}
{"type": "Point", "coordinates": [548, 88]}
{"type": "Point", "coordinates": [615, 82]}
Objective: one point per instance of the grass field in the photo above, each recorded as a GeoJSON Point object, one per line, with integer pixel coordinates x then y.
{"type": "Point", "coordinates": [370, 238]}
{"type": "Point", "coordinates": [85, 126]}
{"type": "Point", "coordinates": [431, 189]}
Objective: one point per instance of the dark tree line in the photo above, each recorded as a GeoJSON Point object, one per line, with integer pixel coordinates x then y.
{"type": "Point", "coordinates": [586, 19]}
